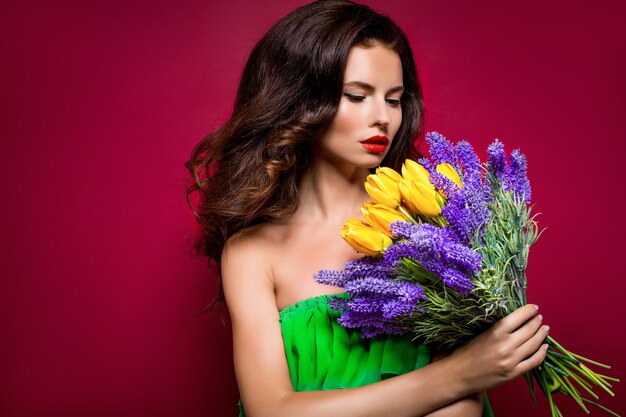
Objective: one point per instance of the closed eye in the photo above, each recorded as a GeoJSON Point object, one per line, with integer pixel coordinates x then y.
{"type": "Point", "coordinates": [393, 102]}
{"type": "Point", "coordinates": [354, 98]}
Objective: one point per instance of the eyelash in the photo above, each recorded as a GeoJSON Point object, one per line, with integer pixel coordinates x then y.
{"type": "Point", "coordinates": [357, 99]}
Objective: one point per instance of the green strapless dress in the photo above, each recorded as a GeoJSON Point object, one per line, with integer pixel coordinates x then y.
{"type": "Point", "coordinates": [322, 355]}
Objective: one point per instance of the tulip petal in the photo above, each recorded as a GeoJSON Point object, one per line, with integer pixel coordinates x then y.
{"type": "Point", "coordinates": [449, 171]}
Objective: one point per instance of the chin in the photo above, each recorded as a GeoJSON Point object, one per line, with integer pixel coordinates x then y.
{"type": "Point", "coordinates": [372, 161]}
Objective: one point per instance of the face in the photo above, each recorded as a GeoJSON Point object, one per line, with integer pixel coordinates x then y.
{"type": "Point", "coordinates": [369, 112]}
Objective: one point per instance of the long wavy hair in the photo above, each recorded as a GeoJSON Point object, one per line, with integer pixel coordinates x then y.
{"type": "Point", "coordinates": [248, 170]}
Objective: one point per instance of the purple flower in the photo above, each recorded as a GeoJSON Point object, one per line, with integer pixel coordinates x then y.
{"type": "Point", "coordinates": [516, 176]}
{"type": "Point", "coordinates": [371, 325]}
{"type": "Point", "coordinates": [372, 286]}
{"type": "Point", "coordinates": [463, 258]}
{"type": "Point", "coordinates": [367, 266]}
{"type": "Point", "coordinates": [470, 164]}
{"type": "Point", "coordinates": [405, 302]}
{"type": "Point", "coordinates": [441, 150]}
{"type": "Point", "coordinates": [468, 210]}
{"type": "Point", "coordinates": [457, 215]}
{"type": "Point", "coordinates": [402, 230]}
{"type": "Point", "coordinates": [440, 251]}
{"type": "Point", "coordinates": [398, 251]}
{"type": "Point", "coordinates": [330, 277]}
{"type": "Point", "coordinates": [438, 180]}
{"type": "Point", "coordinates": [376, 310]}
{"type": "Point", "coordinates": [456, 280]}
{"type": "Point", "coordinates": [496, 162]}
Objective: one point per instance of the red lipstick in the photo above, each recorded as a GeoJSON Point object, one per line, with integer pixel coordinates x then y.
{"type": "Point", "coordinates": [376, 144]}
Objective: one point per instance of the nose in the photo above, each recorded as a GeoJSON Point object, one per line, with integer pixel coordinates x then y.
{"type": "Point", "coordinates": [380, 114]}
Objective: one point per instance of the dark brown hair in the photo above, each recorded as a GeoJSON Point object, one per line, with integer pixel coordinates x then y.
{"type": "Point", "coordinates": [248, 170]}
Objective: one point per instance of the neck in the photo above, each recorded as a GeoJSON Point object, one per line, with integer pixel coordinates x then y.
{"type": "Point", "coordinates": [330, 193]}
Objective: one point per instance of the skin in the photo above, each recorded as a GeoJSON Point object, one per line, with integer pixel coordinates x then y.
{"type": "Point", "coordinates": [270, 266]}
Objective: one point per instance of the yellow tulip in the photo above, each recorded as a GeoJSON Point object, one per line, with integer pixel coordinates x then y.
{"type": "Point", "coordinates": [383, 187]}
{"type": "Point", "coordinates": [447, 170]}
{"type": "Point", "coordinates": [380, 216]}
{"type": "Point", "coordinates": [421, 198]}
{"type": "Point", "coordinates": [413, 171]}
{"type": "Point", "coordinates": [364, 238]}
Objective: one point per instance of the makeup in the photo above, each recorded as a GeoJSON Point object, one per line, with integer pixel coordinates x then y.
{"type": "Point", "coordinates": [376, 144]}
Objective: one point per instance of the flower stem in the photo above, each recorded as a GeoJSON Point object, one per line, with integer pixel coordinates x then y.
{"type": "Point", "coordinates": [406, 214]}
{"type": "Point", "coordinates": [584, 384]}
{"type": "Point", "coordinates": [582, 358]}
{"type": "Point", "coordinates": [546, 390]}
{"type": "Point", "coordinates": [613, 413]}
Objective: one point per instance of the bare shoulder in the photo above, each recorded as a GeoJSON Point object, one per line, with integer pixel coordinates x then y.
{"type": "Point", "coordinates": [246, 265]}
{"type": "Point", "coordinates": [248, 254]}
{"type": "Point", "coordinates": [258, 350]}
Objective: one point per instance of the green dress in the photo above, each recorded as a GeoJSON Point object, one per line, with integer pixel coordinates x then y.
{"type": "Point", "coordinates": [322, 355]}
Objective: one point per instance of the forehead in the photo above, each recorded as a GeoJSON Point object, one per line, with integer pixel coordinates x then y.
{"type": "Point", "coordinates": [378, 66]}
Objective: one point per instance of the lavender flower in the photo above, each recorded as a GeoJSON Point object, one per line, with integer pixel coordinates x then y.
{"type": "Point", "coordinates": [330, 277]}
{"type": "Point", "coordinates": [496, 162]}
{"type": "Point", "coordinates": [456, 280]}
{"type": "Point", "coordinates": [403, 230]}
{"type": "Point", "coordinates": [468, 210]}
{"type": "Point", "coordinates": [470, 164]}
{"type": "Point", "coordinates": [438, 180]}
{"type": "Point", "coordinates": [439, 251]}
{"type": "Point", "coordinates": [441, 149]}
{"type": "Point", "coordinates": [366, 267]}
{"type": "Point", "coordinates": [463, 258]}
{"type": "Point", "coordinates": [370, 324]}
{"type": "Point", "coordinates": [395, 253]}
{"type": "Point", "coordinates": [457, 215]}
{"type": "Point", "coordinates": [372, 286]}
{"type": "Point", "coordinates": [516, 178]}
{"type": "Point", "coordinates": [376, 305]}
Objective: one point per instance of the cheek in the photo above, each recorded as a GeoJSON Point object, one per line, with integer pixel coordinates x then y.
{"type": "Point", "coordinates": [346, 120]}
{"type": "Point", "coordinates": [395, 124]}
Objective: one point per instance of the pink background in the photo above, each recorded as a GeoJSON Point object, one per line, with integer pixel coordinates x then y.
{"type": "Point", "coordinates": [101, 103]}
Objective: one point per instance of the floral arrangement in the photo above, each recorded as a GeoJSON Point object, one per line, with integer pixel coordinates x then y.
{"type": "Point", "coordinates": [446, 245]}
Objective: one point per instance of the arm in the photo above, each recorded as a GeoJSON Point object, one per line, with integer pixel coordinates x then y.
{"type": "Point", "coordinates": [263, 376]}
{"type": "Point", "coordinates": [468, 406]}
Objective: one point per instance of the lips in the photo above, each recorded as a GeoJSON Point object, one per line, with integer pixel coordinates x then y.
{"type": "Point", "coordinates": [376, 144]}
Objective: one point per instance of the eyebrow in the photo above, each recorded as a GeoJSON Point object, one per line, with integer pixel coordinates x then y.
{"type": "Point", "coordinates": [369, 87]}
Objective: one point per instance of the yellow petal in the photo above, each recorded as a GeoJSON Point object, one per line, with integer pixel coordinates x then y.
{"type": "Point", "coordinates": [380, 217]}
{"type": "Point", "coordinates": [421, 198]}
{"type": "Point", "coordinates": [427, 203]}
{"type": "Point", "coordinates": [381, 196]}
{"type": "Point", "coordinates": [449, 171]}
{"type": "Point", "coordinates": [413, 171]}
{"type": "Point", "coordinates": [364, 238]}
{"type": "Point", "coordinates": [389, 173]}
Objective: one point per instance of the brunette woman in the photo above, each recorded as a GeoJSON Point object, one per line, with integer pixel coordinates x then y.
{"type": "Point", "coordinates": [329, 93]}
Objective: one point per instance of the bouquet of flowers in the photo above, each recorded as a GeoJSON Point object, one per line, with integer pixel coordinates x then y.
{"type": "Point", "coordinates": [446, 245]}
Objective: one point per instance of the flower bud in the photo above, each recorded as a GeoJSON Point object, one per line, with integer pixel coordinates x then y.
{"type": "Point", "coordinates": [421, 198]}
{"type": "Point", "coordinates": [413, 171]}
{"type": "Point", "coordinates": [449, 171]}
{"type": "Point", "coordinates": [380, 216]}
{"type": "Point", "coordinates": [382, 187]}
{"type": "Point", "coordinates": [364, 238]}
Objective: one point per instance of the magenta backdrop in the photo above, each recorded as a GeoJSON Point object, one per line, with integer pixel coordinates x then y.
{"type": "Point", "coordinates": [101, 103]}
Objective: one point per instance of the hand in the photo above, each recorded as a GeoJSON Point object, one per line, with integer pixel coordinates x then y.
{"type": "Point", "coordinates": [509, 348]}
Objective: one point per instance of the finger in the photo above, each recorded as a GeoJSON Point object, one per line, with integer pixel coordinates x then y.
{"type": "Point", "coordinates": [531, 345]}
{"type": "Point", "coordinates": [527, 330]}
{"type": "Point", "coordinates": [518, 317]}
{"type": "Point", "coordinates": [532, 362]}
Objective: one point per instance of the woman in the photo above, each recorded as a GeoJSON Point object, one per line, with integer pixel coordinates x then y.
{"type": "Point", "coordinates": [329, 93]}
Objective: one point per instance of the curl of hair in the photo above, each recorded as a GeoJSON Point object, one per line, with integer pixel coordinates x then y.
{"type": "Point", "coordinates": [248, 170]}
